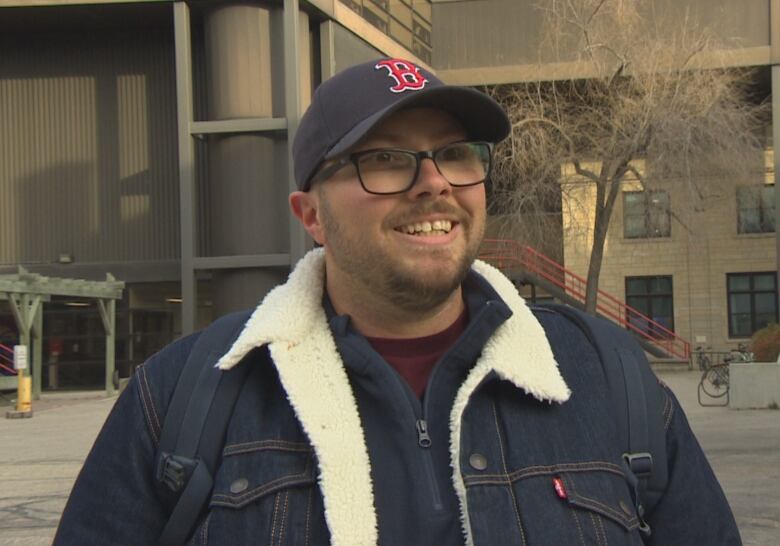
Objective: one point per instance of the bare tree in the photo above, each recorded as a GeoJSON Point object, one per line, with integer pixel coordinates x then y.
{"type": "Point", "coordinates": [647, 94]}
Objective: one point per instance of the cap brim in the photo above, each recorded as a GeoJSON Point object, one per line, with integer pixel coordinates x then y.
{"type": "Point", "coordinates": [481, 116]}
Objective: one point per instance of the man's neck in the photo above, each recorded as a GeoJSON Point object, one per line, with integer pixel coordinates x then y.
{"type": "Point", "coordinates": [376, 316]}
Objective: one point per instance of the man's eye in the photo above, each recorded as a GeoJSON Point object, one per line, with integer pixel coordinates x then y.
{"type": "Point", "coordinates": [454, 153]}
{"type": "Point", "coordinates": [385, 157]}
{"type": "Point", "coordinates": [386, 160]}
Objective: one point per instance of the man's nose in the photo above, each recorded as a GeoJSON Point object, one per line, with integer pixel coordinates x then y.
{"type": "Point", "coordinates": [430, 182]}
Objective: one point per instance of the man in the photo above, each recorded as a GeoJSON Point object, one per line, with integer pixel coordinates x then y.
{"type": "Point", "coordinates": [399, 392]}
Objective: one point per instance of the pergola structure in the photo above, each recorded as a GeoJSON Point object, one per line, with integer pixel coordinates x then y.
{"type": "Point", "coordinates": [26, 293]}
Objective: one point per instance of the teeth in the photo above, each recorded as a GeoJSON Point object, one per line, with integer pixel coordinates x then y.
{"type": "Point", "coordinates": [436, 227]}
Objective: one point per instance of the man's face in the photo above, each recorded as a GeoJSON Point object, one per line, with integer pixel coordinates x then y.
{"type": "Point", "coordinates": [374, 242]}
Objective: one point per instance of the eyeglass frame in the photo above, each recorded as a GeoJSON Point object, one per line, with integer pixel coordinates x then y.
{"type": "Point", "coordinates": [353, 158]}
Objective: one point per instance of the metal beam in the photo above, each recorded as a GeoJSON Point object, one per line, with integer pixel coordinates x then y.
{"type": "Point", "coordinates": [187, 202]}
{"type": "Point", "coordinates": [292, 102]}
{"type": "Point", "coordinates": [37, 350]}
{"type": "Point", "coordinates": [83, 289]}
{"type": "Point", "coordinates": [242, 262]}
{"type": "Point", "coordinates": [233, 126]}
{"type": "Point", "coordinates": [774, 36]}
{"type": "Point", "coordinates": [327, 49]}
{"type": "Point", "coordinates": [108, 314]}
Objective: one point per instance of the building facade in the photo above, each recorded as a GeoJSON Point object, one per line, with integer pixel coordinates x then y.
{"type": "Point", "coordinates": [151, 139]}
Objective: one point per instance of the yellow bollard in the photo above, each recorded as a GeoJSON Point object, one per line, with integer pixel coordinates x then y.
{"type": "Point", "coordinates": [23, 398]}
{"type": "Point", "coordinates": [24, 392]}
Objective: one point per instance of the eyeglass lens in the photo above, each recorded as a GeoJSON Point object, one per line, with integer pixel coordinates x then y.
{"type": "Point", "coordinates": [393, 171]}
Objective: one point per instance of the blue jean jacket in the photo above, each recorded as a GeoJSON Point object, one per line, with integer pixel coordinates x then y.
{"type": "Point", "coordinates": [534, 456]}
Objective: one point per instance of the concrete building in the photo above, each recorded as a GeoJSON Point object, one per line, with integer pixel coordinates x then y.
{"type": "Point", "coordinates": [707, 272]}
{"type": "Point", "coordinates": [151, 139]}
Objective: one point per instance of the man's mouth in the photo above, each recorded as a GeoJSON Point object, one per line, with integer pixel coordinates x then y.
{"type": "Point", "coordinates": [427, 229]}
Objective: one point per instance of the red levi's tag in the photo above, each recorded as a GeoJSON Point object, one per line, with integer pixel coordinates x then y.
{"type": "Point", "coordinates": [560, 489]}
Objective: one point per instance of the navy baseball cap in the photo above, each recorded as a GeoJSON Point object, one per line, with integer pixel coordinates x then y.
{"type": "Point", "coordinates": [348, 105]}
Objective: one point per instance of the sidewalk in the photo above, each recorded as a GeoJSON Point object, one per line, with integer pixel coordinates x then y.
{"type": "Point", "coordinates": [40, 458]}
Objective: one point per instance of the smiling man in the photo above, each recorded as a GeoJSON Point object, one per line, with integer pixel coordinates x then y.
{"type": "Point", "coordinates": [396, 390]}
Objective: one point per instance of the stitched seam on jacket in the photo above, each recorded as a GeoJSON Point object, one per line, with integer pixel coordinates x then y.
{"type": "Point", "coordinates": [284, 517]}
{"type": "Point", "coordinates": [276, 511]}
{"type": "Point", "coordinates": [147, 404]}
{"type": "Point", "coordinates": [603, 530]}
{"type": "Point", "coordinates": [598, 506]}
{"type": "Point", "coordinates": [265, 445]}
{"type": "Point", "coordinates": [579, 527]}
{"type": "Point", "coordinates": [204, 531]}
{"type": "Point", "coordinates": [503, 465]}
{"type": "Point", "coordinates": [668, 413]}
{"type": "Point", "coordinates": [594, 504]}
{"type": "Point", "coordinates": [220, 499]}
{"type": "Point", "coordinates": [532, 471]}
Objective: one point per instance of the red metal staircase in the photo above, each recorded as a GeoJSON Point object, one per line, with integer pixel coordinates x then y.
{"type": "Point", "coordinates": [6, 360]}
{"type": "Point", "coordinates": [528, 265]}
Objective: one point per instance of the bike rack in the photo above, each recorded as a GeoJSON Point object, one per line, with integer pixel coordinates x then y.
{"type": "Point", "coordinates": [724, 396]}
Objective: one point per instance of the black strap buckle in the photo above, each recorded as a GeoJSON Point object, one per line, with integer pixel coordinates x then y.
{"type": "Point", "coordinates": [641, 464]}
{"type": "Point", "coordinates": [174, 470]}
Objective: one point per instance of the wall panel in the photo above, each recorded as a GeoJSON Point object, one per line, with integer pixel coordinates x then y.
{"type": "Point", "coordinates": [88, 147]}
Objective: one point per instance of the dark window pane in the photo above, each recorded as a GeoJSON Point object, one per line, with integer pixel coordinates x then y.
{"type": "Point", "coordinates": [740, 325]}
{"type": "Point", "coordinates": [739, 282]}
{"type": "Point", "coordinates": [636, 286]}
{"type": "Point", "coordinates": [765, 303]}
{"type": "Point", "coordinates": [651, 297]}
{"type": "Point", "coordinates": [768, 197]}
{"type": "Point", "coordinates": [752, 302]}
{"type": "Point", "coordinates": [662, 307]}
{"type": "Point", "coordinates": [635, 227]}
{"type": "Point", "coordinates": [756, 209]}
{"type": "Point", "coordinates": [764, 282]}
{"type": "Point", "coordinates": [661, 285]}
{"type": "Point", "coordinates": [740, 303]}
{"type": "Point", "coordinates": [638, 304]}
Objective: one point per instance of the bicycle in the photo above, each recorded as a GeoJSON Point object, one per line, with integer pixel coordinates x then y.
{"type": "Point", "coordinates": [703, 360]}
{"type": "Point", "coordinates": [740, 354]}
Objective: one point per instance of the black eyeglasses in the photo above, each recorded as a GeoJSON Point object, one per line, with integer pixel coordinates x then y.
{"type": "Point", "coordinates": [386, 171]}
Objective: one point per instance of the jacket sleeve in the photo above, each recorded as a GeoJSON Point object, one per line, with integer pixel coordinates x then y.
{"type": "Point", "coordinates": [114, 500]}
{"type": "Point", "coordinates": [693, 509]}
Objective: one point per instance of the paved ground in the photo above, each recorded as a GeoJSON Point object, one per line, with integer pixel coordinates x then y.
{"type": "Point", "coordinates": [40, 457]}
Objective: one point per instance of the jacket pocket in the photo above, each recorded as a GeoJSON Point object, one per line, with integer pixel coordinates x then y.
{"type": "Point", "coordinates": [603, 493]}
{"type": "Point", "coordinates": [577, 504]}
{"type": "Point", "coordinates": [265, 492]}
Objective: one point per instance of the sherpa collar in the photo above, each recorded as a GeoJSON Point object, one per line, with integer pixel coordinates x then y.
{"type": "Point", "coordinates": [292, 323]}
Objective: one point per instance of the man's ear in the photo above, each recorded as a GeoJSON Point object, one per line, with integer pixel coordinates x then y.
{"type": "Point", "coordinates": [305, 207]}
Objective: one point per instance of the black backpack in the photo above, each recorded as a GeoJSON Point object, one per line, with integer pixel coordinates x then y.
{"type": "Point", "coordinates": [197, 418]}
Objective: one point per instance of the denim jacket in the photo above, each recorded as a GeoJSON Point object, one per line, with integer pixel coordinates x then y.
{"type": "Point", "coordinates": [532, 444]}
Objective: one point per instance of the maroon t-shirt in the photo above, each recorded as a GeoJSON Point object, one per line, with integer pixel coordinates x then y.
{"type": "Point", "coordinates": [415, 358]}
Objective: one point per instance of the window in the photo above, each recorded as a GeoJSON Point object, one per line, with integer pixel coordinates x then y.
{"type": "Point", "coordinates": [646, 214]}
{"type": "Point", "coordinates": [408, 22]}
{"type": "Point", "coordinates": [756, 209]}
{"type": "Point", "coordinates": [752, 302]}
{"type": "Point", "coordinates": [651, 296]}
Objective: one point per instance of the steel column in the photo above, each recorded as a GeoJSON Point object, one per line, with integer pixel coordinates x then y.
{"type": "Point", "coordinates": [293, 107]}
{"type": "Point", "coordinates": [187, 193]}
{"type": "Point", "coordinates": [774, 37]}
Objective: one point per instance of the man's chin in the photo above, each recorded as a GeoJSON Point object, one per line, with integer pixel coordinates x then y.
{"type": "Point", "coordinates": [427, 290]}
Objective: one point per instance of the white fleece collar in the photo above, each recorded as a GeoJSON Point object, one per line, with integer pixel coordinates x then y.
{"type": "Point", "coordinates": [292, 322]}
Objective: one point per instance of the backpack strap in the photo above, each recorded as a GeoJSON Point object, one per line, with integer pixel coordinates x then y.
{"type": "Point", "coordinates": [638, 401]}
{"type": "Point", "coordinates": [195, 425]}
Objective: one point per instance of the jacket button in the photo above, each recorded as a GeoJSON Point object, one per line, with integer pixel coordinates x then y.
{"type": "Point", "coordinates": [239, 485]}
{"type": "Point", "coordinates": [478, 461]}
